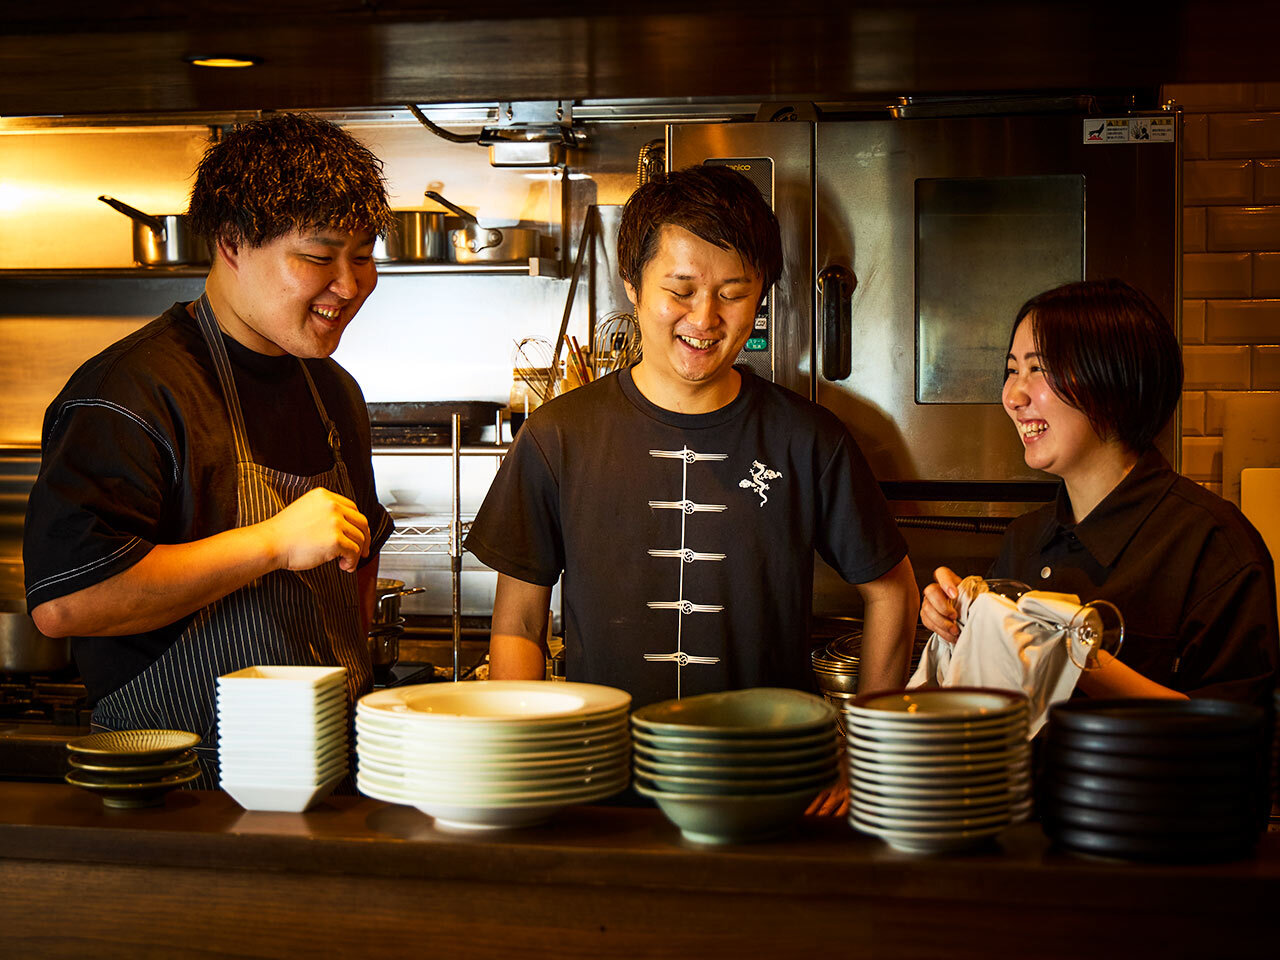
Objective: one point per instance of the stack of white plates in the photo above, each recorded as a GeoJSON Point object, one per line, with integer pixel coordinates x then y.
{"type": "Point", "coordinates": [282, 735]}
{"type": "Point", "coordinates": [493, 754]}
{"type": "Point", "coordinates": [735, 766]}
{"type": "Point", "coordinates": [938, 769]}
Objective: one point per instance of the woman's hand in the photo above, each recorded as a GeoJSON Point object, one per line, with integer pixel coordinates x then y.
{"type": "Point", "coordinates": [938, 610]}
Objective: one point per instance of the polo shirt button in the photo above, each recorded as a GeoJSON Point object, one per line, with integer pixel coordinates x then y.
{"type": "Point", "coordinates": [1044, 572]}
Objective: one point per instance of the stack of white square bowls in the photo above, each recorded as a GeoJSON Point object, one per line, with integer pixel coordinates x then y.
{"type": "Point", "coordinates": [282, 735]}
{"type": "Point", "coordinates": [735, 766]}
{"type": "Point", "coordinates": [938, 769]}
{"type": "Point", "coordinates": [493, 754]}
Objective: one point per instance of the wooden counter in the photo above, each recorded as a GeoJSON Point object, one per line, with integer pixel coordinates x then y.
{"type": "Point", "coordinates": [357, 877]}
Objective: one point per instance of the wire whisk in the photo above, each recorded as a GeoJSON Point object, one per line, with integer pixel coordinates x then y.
{"type": "Point", "coordinates": [534, 363]}
{"type": "Point", "coordinates": [617, 343]}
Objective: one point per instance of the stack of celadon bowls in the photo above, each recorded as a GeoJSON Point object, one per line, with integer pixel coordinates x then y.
{"type": "Point", "coordinates": [736, 766]}
{"type": "Point", "coordinates": [932, 770]}
{"type": "Point", "coordinates": [493, 754]}
{"type": "Point", "coordinates": [282, 735]}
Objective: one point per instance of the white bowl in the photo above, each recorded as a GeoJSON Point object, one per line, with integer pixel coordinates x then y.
{"type": "Point", "coordinates": [243, 772]}
{"type": "Point", "coordinates": [943, 780]}
{"type": "Point", "coordinates": [276, 796]}
{"type": "Point", "coordinates": [890, 730]}
{"type": "Point", "coordinates": [276, 681]}
{"type": "Point", "coordinates": [928, 793]}
{"type": "Point", "coordinates": [517, 703]}
{"type": "Point", "coordinates": [929, 704]}
{"type": "Point", "coordinates": [435, 742]}
{"type": "Point", "coordinates": [937, 758]}
{"type": "Point", "coordinates": [496, 793]}
{"type": "Point", "coordinates": [487, 816]}
{"type": "Point", "coordinates": [580, 759]}
{"type": "Point", "coordinates": [928, 841]}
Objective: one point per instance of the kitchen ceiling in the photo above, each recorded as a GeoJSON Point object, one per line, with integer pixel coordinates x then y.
{"type": "Point", "coordinates": [71, 57]}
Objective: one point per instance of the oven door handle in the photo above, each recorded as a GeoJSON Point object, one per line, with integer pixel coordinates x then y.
{"type": "Point", "coordinates": [836, 284]}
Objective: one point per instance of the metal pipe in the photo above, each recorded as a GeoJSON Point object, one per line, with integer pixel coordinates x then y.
{"type": "Point", "coordinates": [455, 544]}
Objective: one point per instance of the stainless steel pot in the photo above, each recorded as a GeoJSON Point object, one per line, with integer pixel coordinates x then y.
{"type": "Point", "coordinates": [384, 648]}
{"type": "Point", "coordinates": [23, 648]}
{"type": "Point", "coordinates": [473, 243]}
{"type": "Point", "coordinates": [418, 236]}
{"type": "Point", "coordinates": [164, 240]}
{"type": "Point", "coordinates": [387, 611]}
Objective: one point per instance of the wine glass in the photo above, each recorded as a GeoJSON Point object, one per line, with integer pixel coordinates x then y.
{"type": "Point", "coordinates": [1097, 627]}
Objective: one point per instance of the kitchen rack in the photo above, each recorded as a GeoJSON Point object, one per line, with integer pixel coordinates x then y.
{"type": "Point", "coordinates": [441, 538]}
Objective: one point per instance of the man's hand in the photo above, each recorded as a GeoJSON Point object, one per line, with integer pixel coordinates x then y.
{"type": "Point", "coordinates": [833, 801]}
{"type": "Point", "coordinates": [938, 611]}
{"type": "Point", "coordinates": [316, 528]}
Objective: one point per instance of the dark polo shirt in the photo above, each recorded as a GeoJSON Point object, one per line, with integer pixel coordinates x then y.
{"type": "Point", "coordinates": [1191, 575]}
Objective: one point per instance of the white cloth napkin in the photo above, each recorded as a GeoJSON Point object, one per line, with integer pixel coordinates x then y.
{"type": "Point", "coordinates": [1008, 646]}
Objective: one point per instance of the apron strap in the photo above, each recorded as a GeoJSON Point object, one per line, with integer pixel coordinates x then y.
{"type": "Point", "coordinates": [222, 366]}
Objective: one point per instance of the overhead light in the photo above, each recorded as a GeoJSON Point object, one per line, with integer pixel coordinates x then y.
{"type": "Point", "coordinates": [222, 61]}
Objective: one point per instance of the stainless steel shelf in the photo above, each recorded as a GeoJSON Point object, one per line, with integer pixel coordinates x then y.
{"type": "Point", "coordinates": [439, 450]}
{"type": "Point", "coordinates": [544, 267]}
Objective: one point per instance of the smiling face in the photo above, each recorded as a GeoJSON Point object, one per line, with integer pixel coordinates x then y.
{"type": "Point", "coordinates": [1056, 437]}
{"type": "Point", "coordinates": [295, 294]}
{"type": "Point", "coordinates": [696, 307]}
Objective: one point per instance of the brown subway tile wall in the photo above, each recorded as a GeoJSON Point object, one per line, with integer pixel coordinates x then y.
{"type": "Point", "coordinates": [1217, 275]}
{"type": "Point", "coordinates": [1266, 181]}
{"type": "Point", "coordinates": [1202, 458]}
{"type": "Point", "coordinates": [1266, 367]}
{"type": "Point", "coordinates": [1193, 321]}
{"type": "Point", "coordinates": [1266, 274]}
{"type": "Point", "coordinates": [1217, 181]}
{"type": "Point", "coordinates": [1242, 321]}
{"type": "Point", "coordinates": [1193, 229]}
{"type": "Point", "coordinates": [1195, 136]}
{"type": "Point", "coordinates": [1243, 228]}
{"type": "Point", "coordinates": [1231, 258]}
{"type": "Point", "coordinates": [1193, 405]}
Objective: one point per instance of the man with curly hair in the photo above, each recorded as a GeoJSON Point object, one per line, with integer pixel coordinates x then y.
{"type": "Point", "coordinates": [206, 499]}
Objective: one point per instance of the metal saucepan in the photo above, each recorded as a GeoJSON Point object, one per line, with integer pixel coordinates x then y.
{"type": "Point", "coordinates": [418, 236]}
{"type": "Point", "coordinates": [389, 592]}
{"type": "Point", "coordinates": [23, 648]}
{"type": "Point", "coordinates": [473, 243]}
{"type": "Point", "coordinates": [164, 240]}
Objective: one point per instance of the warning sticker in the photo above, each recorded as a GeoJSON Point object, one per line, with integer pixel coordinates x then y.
{"type": "Point", "coordinates": [1161, 129]}
{"type": "Point", "coordinates": [1128, 130]}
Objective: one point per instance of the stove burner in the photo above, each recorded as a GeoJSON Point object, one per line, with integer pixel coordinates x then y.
{"type": "Point", "coordinates": [35, 698]}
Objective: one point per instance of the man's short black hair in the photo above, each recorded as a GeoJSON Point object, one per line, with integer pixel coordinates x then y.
{"type": "Point", "coordinates": [715, 203]}
{"type": "Point", "coordinates": [1107, 350]}
{"type": "Point", "coordinates": [287, 172]}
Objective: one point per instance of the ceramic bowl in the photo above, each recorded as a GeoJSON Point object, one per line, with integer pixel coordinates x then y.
{"type": "Point", "coordinates": [738, 788]}
{"type": "Point", "coordinates": [272, 795]}
{"type": "Point", "coordinates": [826, 761]}
{"type": "Point", "coordinates": [736, 758]}
{"type": "Point", "coordinates": [708, 818]}
{"type": "Point", "coordinates": [132, 747]}
{"type": "Point", "coordinates": [126, 796]}
{"type": "Point", "coordinates": [726, 745]}
{"type": "Point", "coordinates": [757, 713]}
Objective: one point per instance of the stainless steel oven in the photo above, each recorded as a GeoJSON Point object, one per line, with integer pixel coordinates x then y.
{"type": "Point", "coordinates": [910, 243]}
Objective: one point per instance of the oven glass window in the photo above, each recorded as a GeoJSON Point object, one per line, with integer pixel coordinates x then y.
{"type": "Point", "coordinates": [984, 246]}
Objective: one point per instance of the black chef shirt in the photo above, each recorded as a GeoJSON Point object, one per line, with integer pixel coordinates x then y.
{"type": "Point", "coordinates": [1190, 574]}
{"type": "Point", "coordinates": [137, 450]}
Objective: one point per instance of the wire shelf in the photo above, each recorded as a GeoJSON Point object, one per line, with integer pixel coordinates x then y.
{"type": "Point", "coordinates": [419, 536]}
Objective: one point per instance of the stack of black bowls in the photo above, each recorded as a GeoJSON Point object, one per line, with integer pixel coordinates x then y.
{"type": "Point", "coordinates": [1160, 780]}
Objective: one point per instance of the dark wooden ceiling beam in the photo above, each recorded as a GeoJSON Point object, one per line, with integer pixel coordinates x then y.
{"type": "Point", "coordinates": [129, 57]}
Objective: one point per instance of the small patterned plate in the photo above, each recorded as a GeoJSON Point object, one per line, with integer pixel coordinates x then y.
{"type": "Point", "coordinates": [133, 747]}
{"type": "Point", "coordinates": [137, 771]}
{"type": "Point", "coordinates": [125, 796]}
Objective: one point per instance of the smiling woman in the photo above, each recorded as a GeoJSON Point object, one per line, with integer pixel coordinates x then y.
{"type": "Point", "coordinates": [1094, 372]}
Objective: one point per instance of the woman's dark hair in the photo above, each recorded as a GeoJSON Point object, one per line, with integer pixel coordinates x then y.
{"type": "Point", "coordinates": [1108, 351]}
{"type": "Point", "coordinates": [287, 172]}
{"type": "Point", "coordinates": [715, 203]}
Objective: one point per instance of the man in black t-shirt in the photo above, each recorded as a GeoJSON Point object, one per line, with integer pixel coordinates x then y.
{"type": "Point", "coordinates": [683, 498]}
{"type": "Point", "coordinates": [206, 498]}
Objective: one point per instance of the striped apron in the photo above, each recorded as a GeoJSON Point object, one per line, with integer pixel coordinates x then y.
{"type": "Point", "coordinates": [307, 617]}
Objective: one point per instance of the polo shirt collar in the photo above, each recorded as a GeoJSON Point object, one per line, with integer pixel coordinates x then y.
{"type": "Point", "coordinates": [1112, 523]}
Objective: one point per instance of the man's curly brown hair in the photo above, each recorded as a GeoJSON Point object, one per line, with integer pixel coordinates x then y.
{"type": "Point", "coordinates": [287, 172]}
